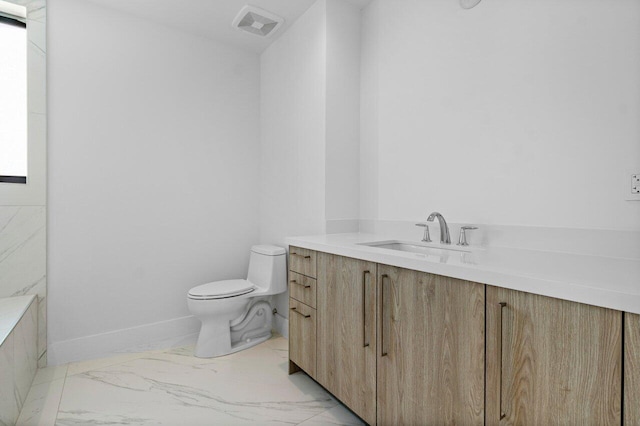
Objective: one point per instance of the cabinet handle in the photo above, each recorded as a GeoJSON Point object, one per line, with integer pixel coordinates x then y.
{"type": "Point", "coordinates": [382, 348]}
{"type": "Point", "coordinates": [300, 313]}
{"type": "Point", "coordinates": [364, 308]}
{"type": "Point", "coordinates": [296, 282]}
{"type": "Point", "coordinates": [301, 255]}
{"type": "Point", "coordinates": [502, 413]}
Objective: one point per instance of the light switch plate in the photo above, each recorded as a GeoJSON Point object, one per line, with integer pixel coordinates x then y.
{"type": "Point", "coordinates": [633, 186]}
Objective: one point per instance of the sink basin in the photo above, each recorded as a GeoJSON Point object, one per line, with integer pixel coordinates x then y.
{"type": "Point", "coordinates": [415, 247]}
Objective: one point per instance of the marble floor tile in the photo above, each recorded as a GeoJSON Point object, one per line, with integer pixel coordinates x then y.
{"type": "Point", "coordinates": [172, 387]}
{"type": "Point", "coordinates": [94, 364]}
{"type": "Point", "coordinates": [159, 391]}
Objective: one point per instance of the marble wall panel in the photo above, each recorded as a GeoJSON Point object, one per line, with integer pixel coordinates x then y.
{"type": "Point", "coordinates": [25, 353]}
{"type": "Point", "coordinates": [23, 261]}
{"type": "Point", "coordinates": [18, 357]}
{"type": "Point", "coordinates": [8, 400]}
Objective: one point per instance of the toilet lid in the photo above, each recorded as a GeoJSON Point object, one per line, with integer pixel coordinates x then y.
{"type": "Point", "coordinates": [221, 289]}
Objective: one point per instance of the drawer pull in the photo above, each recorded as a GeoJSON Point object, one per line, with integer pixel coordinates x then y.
{"type": "Point", "coordinates": [383, 350]}
{"type": "Point", "coordinates": [296, 282]}
{"type": "Point", "coordinates": [301, 255]}
{"type": "Point", "coordinates": [502, 413]}
{"type": "Point", "coordinates": [364, 308]}
{"type": "Point", "coordinates": [300, 313]}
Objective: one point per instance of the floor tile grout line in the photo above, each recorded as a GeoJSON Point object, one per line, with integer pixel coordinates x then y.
{"type": "Point", "coordinates": [312, 417]}
{"type": "Point", "coordinates": [55, 421]}
{"type": "Point", "coordinates": [104, 366]}
{"type": "Point", "coordinates": [322, 412]}
{"type": "Point", "coordinates": [139, 355]}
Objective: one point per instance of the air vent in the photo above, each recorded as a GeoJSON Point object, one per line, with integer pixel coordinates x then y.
{"type": "Point", "coordinates": [257, 21]}
{"type": "Point", "coordinates": [468, 4]}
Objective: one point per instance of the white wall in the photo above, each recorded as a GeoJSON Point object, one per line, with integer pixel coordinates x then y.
{"type": "Point", "coordinates": [516, 112]}
{"type": "Point", "coordinates": [292, 132]}
{"type": "Point", "coordinates": [369, 111]}
{"type": "Point", "coordinates": [309, 86]}
{"type": "Point", "coordinates": [512, 113]}
{"type": "Point", "coordinates": [153, 167]}
{"type": "Point", "coordinates": [342, 111]}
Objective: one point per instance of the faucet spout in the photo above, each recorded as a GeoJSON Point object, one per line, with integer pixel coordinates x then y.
{"type": "Point", "coordinates": [445, 237]}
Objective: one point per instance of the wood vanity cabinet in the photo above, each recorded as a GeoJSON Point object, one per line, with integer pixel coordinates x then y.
{"type": "Point", "coordinates": [430, 349]}
{"type": "Point", "coordinates": [346, 332]}
{"type": "Point", "coordinates": [403, 347]}
{"type": "Point", "coordinates": [632, 370]}
{"type": "Point", "coordinates": [551, 361]}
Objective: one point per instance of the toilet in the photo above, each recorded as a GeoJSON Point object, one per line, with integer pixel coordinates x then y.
{"type": "Point", "coordinates": [236, 314]}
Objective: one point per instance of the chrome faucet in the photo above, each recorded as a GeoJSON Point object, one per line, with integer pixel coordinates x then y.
{"type": "Point", "coordinates": [445, 238]}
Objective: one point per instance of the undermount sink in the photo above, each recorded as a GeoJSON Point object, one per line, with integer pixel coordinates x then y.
{"type": "Point", "coordinates": [415, 247]}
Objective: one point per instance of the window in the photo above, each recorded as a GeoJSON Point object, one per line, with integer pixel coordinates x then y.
{"type": "Point", "coordinates": [13, 100]}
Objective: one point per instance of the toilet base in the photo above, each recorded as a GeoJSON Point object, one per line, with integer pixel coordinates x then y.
{"type": "Point", "coordinates": [214, 340]}
{"type": "Point", "coordinates": [207, 349]}
{"type": "Point", "coordinates": [221, 338]}
{"type": "Point", "coordinates": [246, 345]}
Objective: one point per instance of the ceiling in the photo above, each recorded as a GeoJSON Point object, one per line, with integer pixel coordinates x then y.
{"type": "Point", "coordinates": [212, 18]}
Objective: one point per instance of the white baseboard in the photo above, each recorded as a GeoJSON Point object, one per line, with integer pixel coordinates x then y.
{"type": "Point", "coordinates": [158, 335]}
{"type": "Point", "coordinates": [281, 325]}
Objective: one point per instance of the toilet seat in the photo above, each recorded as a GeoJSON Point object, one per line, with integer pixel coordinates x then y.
{"type": "Point", "coordinates": [221, 290]}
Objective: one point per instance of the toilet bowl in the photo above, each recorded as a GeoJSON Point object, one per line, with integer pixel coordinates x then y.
{"type": "Point", "coordinates": [236, 314]}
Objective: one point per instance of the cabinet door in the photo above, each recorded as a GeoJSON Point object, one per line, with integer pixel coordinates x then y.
{"type": "Point", "coordinates": [551, 361]}
{"type": "Point", "coordinates": [346, 303]}
{"type": "Point", "coordinates": [632, 370]}
{"type": "Point", "coordinates": [430, 349]}
{"type": "Point", "coordinates": [302, 336]}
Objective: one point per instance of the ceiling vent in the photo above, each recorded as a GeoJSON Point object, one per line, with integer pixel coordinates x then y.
{"type": "Point", "coordinates": [468, 4]}
{"type": "Point", "coordinates": [257, 21]}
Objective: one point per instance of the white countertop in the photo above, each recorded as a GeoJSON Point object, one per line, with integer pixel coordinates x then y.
{"type": "Point", "coordinates": [595, 280]}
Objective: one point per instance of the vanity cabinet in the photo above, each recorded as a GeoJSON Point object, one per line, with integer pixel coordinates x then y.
{"type": "Point", "coordinates": [632, 370]}
{"type": "Point", "coordinates": [551, 361]}
{"type": "Point", "coordinates": [403, 347]}
{"type": "Point", "coordinates": [346, 332]}
{"type": "Point", "coordinates": [430, 349]}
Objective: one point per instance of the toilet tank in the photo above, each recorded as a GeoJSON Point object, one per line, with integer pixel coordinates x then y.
{"type": "Point", "coordinates": [268, 268]}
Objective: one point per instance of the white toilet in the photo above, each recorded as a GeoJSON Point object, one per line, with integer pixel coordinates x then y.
{"type": "Point", "coordinates": [235, 314]}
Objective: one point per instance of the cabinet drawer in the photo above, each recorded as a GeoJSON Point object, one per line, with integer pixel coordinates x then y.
{"type": "Point", "coordinates": [302, 288]}
{"type": "Point", "coordinates": [302, 336]}
{"type": "Point", "coordinates": [302, 261]}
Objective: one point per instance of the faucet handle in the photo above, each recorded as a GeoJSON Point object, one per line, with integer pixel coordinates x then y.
{"type": "Point", "coordinates": [426, 238]}
{"type": "Point", "coordinates": [462, 240]}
